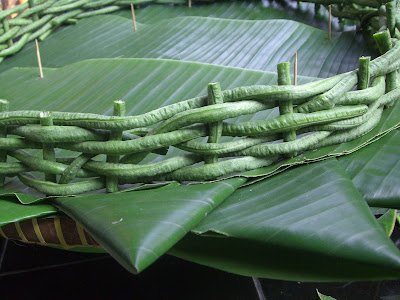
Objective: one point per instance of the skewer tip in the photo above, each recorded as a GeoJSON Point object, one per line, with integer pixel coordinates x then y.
{"type": "Point", "coordinates": [295, 65]}
{"type": "Point", "coordinates": [133, 17]}
{"type": "Point", "coordinates": [39, 60]}
{"type": "Point", "coordinates": [330, 22]}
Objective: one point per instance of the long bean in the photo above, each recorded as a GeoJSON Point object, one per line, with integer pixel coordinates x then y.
{"type": "Point", "coordinates": [211, 113]}
{"type": "Point", "coordinates": [74, 168]}
{"type": "Point", "coordinates": [222, 148]}
{"type": "Point", "coordinates": [327, 99]}
{"type": "Point", "coordinates": [135, 172]}
{"type": "Point", "coordinates": [218, 169]}
{"type": "Point", "coordinates": [96, 12]}
{"type": "Point", "coordinates": [45, 166]}
{"type": "Point", "coordinates": [16, 47]}
{"type": "Point", "coordinates": [9, 34]}
{"type": "Point", "coordinates": [292, 122]}
{"type": "Point", "coordinates": [11, 169]}
{"type": "Point", "coordinates": [57, 134]}
{"type": "Point", "coordinates": [385, 44]}
{"type": "Point", "coordinates": [94, 121]}
{"type": "Point", "coordinates": [55, 189]}
{"type": "Point", "coordinates": [364, 96]}
{"type": "Point", "coordinates": [272, 149]}
{"type": "Point", "coordinates": [146, 143]}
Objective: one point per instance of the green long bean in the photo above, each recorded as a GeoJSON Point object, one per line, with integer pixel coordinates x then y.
{"type": "Point", "coordinates": [56, 189]}
{"type": "Point", "coordinates": [147, 143]}
{"type": "Point", "coordinates": [292, 122]}
{"type": "Point", "coordinates": [218, 169]}
{"type": "Point", "coordinates": [136, 172]}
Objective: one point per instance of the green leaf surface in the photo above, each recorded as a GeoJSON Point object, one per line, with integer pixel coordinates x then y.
{"type": "Point", "coordinates": [324, 297]}
{"type": "Point", "coordinates": [238, 10]}
{"type": "Point", "coordinates": [307, 224]}
{"type": "Point", "coordinates": [375, 171]}
{"type": "Point", "coordinates": [258, 45]}
{"type": "Point", "coordinates": [379, 210]}
{"type": "Point", "coordinates": [388, 220]}
{"type": "Point", "coordinates": [138, 227]}
{"type": "Point", "coordinates": [12, 211]}
{"type": "Point", "coordinates": [145, 84]}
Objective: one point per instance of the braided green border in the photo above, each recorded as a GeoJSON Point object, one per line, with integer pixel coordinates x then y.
{"type": "Point", "coordinates": [312, 116]}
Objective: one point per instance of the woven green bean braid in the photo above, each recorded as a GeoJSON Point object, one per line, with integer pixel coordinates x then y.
{"type": "Point", "coordinates": [110, 148]}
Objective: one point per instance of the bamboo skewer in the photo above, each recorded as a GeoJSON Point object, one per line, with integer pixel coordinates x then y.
{"type": "Point", "coordinates": [295, 68]}
{"type": "Point", "coordinates": [330, 23]}
{"type": "Point", "coordinates": [133, 17]}
{"type": "Point", "coordinates": [39, 60]}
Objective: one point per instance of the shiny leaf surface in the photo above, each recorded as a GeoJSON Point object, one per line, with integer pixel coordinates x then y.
{"type": "Point", "coordinates": [388, 221]}
{"type": "Point", "coordinates": [291, 225]}
{"type": "Point", "coordinates": [375, 171]}
{"type": "Point", "coordinates": [138, 227]}
{"type": "Point", "coordinates": [259, 45]}
{"type": "Point", "coordinates": [12, 211]}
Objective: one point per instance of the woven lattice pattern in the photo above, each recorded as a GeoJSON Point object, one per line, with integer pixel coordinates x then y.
{"type": "Point", "coordinates": [110, 148]}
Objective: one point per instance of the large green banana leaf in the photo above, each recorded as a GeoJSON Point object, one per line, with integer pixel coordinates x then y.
{"type": "Point", "coordinates": [144, 84]}
{"type": "Point", "coordinates": [388, 221]}
{"type": "Point", "coordinates": [138, 227]}
{"type": "Point", "coordinates": [238, 10]}
{"type": "Point", "coordinates": [375, 171]}
{"type": "Point", "coordinates": [309, 223]}
{"type": "Point", "coordinates": [12, 211]}
{"type": "Point", "coordinates": [259, 45]}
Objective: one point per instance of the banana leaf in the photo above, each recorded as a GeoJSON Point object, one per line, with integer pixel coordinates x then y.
{"type": "Point", "coordinates": [308, 224]}
{"type": "Point", "coordinates": [238, 10]}
{"type": "Point", "coordinates": [12, 211]}
{"type": "Point", "coordinates": [324, 297]}
{"type": "Point", "coordinates": [388, 221]}
{"type": "Point", "coordinates": [137, 227]}
{"type": "Point", "coordinates": [375, 171]}
{"type": "Point", "coordinates": [258, 45]}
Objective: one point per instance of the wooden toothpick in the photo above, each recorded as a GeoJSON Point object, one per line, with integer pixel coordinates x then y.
{"type": "Point", "coordinates": [330, 23]}
{"type": "Point", "coordinates": [190, 3]}
{"type": "Point", "coordinates": [295, 68]}
{"type": "Point", "coordinates": [39, 60]}
{"type": "Point", "coordinates": [133, 17]}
